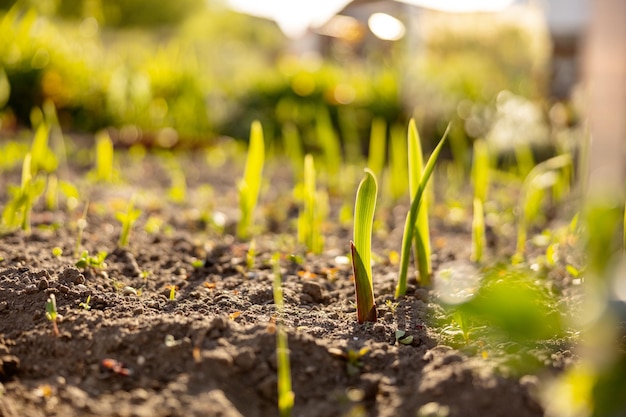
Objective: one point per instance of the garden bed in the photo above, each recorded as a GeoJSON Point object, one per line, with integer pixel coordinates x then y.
{"type": "Point", "coordinates": [208, 347]}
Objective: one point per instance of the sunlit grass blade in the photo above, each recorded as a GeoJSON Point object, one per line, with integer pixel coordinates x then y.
{"type": "Point", "coordinates": [361, 247]}
{"type": "Point", "coordinates": [422, 236]}
{"type": "Point", "coordinates": [285, 393]}
{"type": "Point", "coordinates": [478, 232]}
{"type": "Point", "coordinates": [250, 184]}
{"type": "Point", "coordinates": [411, 218]}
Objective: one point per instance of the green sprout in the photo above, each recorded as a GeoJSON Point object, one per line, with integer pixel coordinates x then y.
{"type": "Point", "coordinates": [51, 313]}
{"type": "Point", "coordinates": [93, 262]}
{"type": "Point", "coordinates": [57, 251]}
{"type": "Point", "coordinates": [251, 255]}
{"type": "Point", "coordinates": [422, 235]}
{"type": "Point", "coordinates": [409, 226]}
{"type": "Point", "coordinates": [315, 209]}
{"type": "Point", "coordinates": [541, 177]}
{"type": "Point", "coordinates": [361, 247]}
{"type": "Point", "coordinates": [480, 179]}
{"type": "Point", "coordinates": [172, 295]}
{"type": "Point", "coordinates": [127, 218]}
{"type": "Point", "coordinates": [85, 305]}
{"type": "Point", "coordinates": [285, 393]}
{"type": "Point", "coordinates": [250, 184]}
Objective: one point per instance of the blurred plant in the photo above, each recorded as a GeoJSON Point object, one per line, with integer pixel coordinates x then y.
{"type": "Point", "coordinates": [361, 247]}
{"type": "Point", "coordinates": [91, 261]}
{"type": "Point", "coordinates": [480, 180]}
{"type": "Point", "coordinates": [104, 170]}
{"type": "Point", "coordinates": [377, 147]}
{"type": "Point", "coordinates": [412, 218]}
{"type": "Point", "coordinates": [313, 214]}
{"type": "Point", "coordinates": [541, 177]}
{"type": "Point", "coordinates": [127, 218]}
{"type": "Point", "coordinates": [250, 184]}
{"type": "Point", "coordinates": [398, 170]}
{"type": "Point", "coordinates": [18, 209]}
{"type": "Point", "coordinates": [331, 147]}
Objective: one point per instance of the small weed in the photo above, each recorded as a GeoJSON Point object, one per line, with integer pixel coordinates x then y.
{"type": "Point", "coordinates": [52, 314]}
{"type": "Point", "coordinates": [92, 261]}
{"type": "Point", "coordinates": [85, 305]}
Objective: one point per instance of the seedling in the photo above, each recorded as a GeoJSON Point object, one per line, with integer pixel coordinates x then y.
{"type": "Point", "coordinates": [422, 234]}
{"type": "Point", "coordinates": [285, 393]}
{"type": "Point", "coordinates": [409, 226]}
{"type": "Point", "coordinates": [392, 306]}
{"type": "Point", "coordinates": [57, 251]}
{"type": "Point", "coordinates": [361, 247]}
{"type": "Point", "coordinates": [354, 360]}
{"type": "Point", "coordinates": [93, 262]}
{"type": "Point", "coordinates": [85, 305]}
{"type": "Point", "coordinates": [127, 219]}
{"type": "Point", "coordinates": [250, 184]}
{"type": "Point", "coordinates": [403, 338]}
{"type": "Point", "coordinates": [312, 216]}
{"type": "Point", "coordinates": [51, 313]}
{"type": "Point", "coordinates": [172, 295]}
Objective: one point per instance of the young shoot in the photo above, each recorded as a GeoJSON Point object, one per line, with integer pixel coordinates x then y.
{"type": "Point", "coordinates": [127, 218]}
{"type": "Point", "coordinates": [285, 392]}
{"type": "Point", "coordinates": [361, 247]}
{"type": "Point", "coordinates": [52, 314]}
{"type": "Point", "coordinates": [250, 184]}
{"type": "Point", "coordinates": [411, 218]}
{"type": "Point", "coordinates": [422, 234]}
{"type": "Point", "coordinates": [17, 211]}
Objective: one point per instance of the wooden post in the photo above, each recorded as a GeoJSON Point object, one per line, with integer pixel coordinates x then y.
{"type": "Point", "coordinates": [605, 76]}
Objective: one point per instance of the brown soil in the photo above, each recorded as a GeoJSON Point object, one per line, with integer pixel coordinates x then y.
{"type": "Point", "coordinates": [211, 351]}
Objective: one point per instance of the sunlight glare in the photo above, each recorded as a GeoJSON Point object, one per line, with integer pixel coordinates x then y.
{"type": "Point", "coordinates": [386, 27]}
